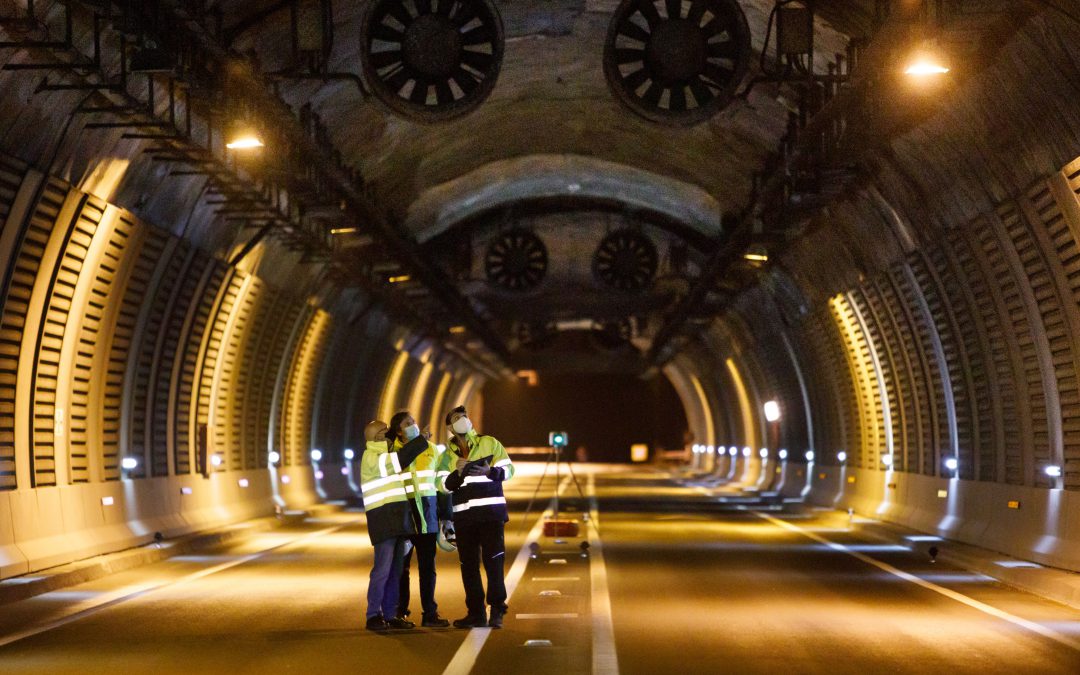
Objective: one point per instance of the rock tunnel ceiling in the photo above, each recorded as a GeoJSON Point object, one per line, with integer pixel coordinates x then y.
{"type": "Point", "coordinates": [895, 266]}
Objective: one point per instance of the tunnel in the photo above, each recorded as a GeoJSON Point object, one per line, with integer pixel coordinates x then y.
{"type": "Point", "coordinates": [796, 283]}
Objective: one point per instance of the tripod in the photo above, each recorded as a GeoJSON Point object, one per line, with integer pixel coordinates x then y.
{"type": "Point", "coordinates": [556, 456]}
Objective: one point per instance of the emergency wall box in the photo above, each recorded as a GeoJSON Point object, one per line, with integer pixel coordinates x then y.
{"type": "Point", "coordinates": [561, 528]}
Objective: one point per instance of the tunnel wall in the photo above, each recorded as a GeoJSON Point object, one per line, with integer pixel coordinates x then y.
{"type": "Point", "coordinates": [934, 311]}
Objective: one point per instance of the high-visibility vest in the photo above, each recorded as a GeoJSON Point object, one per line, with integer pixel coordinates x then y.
{"type": "Point", "coordinates": [476, 498]}
{"type": "Point", "coordinates": [382, 483]}
{"type": "Point", "coordinates": [420, 488]}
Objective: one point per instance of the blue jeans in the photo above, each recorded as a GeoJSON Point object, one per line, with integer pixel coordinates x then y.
{"type": "Point", "coordinates": [382, 592]}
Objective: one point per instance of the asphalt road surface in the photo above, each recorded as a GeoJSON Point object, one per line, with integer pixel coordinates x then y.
{"type": "Point", "coordinates": [681, 579]}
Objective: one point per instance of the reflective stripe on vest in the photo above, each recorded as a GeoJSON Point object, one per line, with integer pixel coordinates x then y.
{"type": "Point", "coordinates": [473, 503]}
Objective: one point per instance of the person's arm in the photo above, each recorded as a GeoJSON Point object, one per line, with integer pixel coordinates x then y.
{"type": "Point", "coordinates": [502, 469]}
{"type": "Point", "coordinates": [447, 478]}
{"type": "Point", "coordinates": [411, 450]}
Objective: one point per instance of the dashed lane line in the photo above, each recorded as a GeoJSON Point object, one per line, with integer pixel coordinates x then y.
{"type": "Point", "coordinates": [466, 655]}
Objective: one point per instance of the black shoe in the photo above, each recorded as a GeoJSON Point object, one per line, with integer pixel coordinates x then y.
{"type": "Point", "coordinates": [434, 621]}
{"type": "Point", "coordinates": [472, 621]}
{"type": "Point", "coordinates": [401, 624]}
{"type": "Point", "coordinates": [377, 623]}
{"type": "Point", "coordinates": [496, 618]}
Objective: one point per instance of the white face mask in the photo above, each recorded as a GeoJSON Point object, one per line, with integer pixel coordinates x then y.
{"type": "Point", "coordinates": [411, 432]}
{"type": "Point", "coordinates": [462, 426]}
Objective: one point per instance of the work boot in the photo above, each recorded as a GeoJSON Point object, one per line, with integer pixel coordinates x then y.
{"type": "Point", "coordinates": [401, 624]}
{"type": "Point", "coordinates": [472, 621]}
{"type": "Point", "coordinates": [496, 617]}
{"type": "Point", "coordinates": [434, 621]}
{"type": "Point", "coordinates": [377, 623]}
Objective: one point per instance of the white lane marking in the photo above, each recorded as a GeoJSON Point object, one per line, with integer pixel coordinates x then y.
{"type": "Point", "coordinates": [941, 590]}
{"type": "Point", "coordinates": [556, 579]}
{"type": "Point", "coordinates": [111, 599]}
{"type": "Point", "coordinates": [466, 655]}
{"type": "Point", "coordinates": [605, 661]}
{"type": "Point", "coordinates": [565, 615]}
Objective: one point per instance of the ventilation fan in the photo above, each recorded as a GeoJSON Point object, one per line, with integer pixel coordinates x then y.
{"type": "Point", "coordinates": [679, 61]}
{"type": "Point", "coordinates": [626, 260]}
{"type": "Point", "coordinates": [431, 60]}
{"type": "Point", "coordinates": [517, 260]}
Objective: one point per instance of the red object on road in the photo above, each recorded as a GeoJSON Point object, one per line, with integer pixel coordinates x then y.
{"type": "Point", "coordinates": [561, 528]}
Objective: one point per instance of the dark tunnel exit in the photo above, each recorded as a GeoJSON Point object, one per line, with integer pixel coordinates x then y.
{"type": "Point", "coordinates": [603, 413]}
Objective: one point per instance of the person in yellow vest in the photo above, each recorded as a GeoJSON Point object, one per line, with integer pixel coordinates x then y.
{"type": "Point", "coordinates": [473, 469]}
{"type": "Point", "coordinates": [423, 502]}
{"type": "Point", "coordinates": [389, 518]}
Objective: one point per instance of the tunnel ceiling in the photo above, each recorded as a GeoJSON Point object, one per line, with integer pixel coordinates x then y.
{"type": "Point", "coordinates": [543, 222]}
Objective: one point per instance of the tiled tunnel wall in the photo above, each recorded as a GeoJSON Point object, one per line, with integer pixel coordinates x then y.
{"type": "Point", "coordinates": [119, 340]}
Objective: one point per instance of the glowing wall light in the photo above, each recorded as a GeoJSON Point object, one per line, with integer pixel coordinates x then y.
{"type": "Point", "coordinates": [763, 453]}
{"type": "Point", "coordinates": [952, 464]}
{"type": "Point", "coordinates": [316, 455]}
{"type": "Point", "coordinates": [782, 455]}
{"type": "Point", "coordinates": [841, 456]}
{"type": "Point", "coordinates": [129, 463]}
{"type": "Point", "coordinates": [733, 451]}
{"type": "Point", "coordinates": [1053, 471]}
{"type": "Point", "coordinates": [217, 460]}
{"type": "Point", "coordinates": [809, 455]}
{"type": "Point", "coordinates": [887, 460]}
{"type": "Point", "coordinates": [925, 67]}
{"type": "Point", "coordinates": [274, 457]}
{"type": "Point", "coordinates": [772, 411]}
{"type": "Point", "coordinates": [746, 452]}
{"type": "Point", "coordinates": [350, 455]}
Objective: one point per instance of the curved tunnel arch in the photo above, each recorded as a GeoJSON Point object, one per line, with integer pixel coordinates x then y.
{"type": "Point", "coordinates": [940, 299]}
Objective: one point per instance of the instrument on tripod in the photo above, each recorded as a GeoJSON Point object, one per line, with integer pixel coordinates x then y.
{"type": "Point", "coordinates": [556, 526]}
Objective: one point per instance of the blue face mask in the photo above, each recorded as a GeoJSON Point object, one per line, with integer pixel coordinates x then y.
{"type": "Point", "coordinates": [411, 432]}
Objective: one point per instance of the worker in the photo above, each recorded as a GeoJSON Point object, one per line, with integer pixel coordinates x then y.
{"type": "Point", "coordinates": [473, 469]}
{"type": "Point", "coordinates": [389, 520]}
{"type": "Point", "coordinates": [422, 497]}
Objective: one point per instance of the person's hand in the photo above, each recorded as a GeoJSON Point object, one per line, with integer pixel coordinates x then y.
{"type": "Point", "coordinates": [460, 468]}
{"type": "Point", "coordinates": [477, 470]}
{"type": "Point", "coordinates": [427, 433]}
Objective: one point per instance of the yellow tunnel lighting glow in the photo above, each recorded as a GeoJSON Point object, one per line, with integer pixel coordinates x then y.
{"type": "Point", "coordinates": [710, 429]}
{"type": "Point", "coordinates": [756, 257]}
{"type": "Point", "coordinates": [437, 411]}
{"type": "Point", "coordinates": [416, 400]}
{"type": "Point", "coordinates": [344, 230]}
{"type": "Point", "coordinates": [399, 279]}
{"type": "Point", "coordinates": [746, 411]}
{"type": "Point", "coordinates": [457, 330]}
{"type": "Point", "coordinates": [772, 411]}
{"type": "Point", "coordinates": [390, 392]}
{"type": "Point", "coordinates": [924, 68]}
{"type": "Point", "coordinates": [530, 377]}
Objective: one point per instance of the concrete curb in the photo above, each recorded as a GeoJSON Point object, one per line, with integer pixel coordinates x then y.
{"type": "Point", "coordinates": [82, 571]}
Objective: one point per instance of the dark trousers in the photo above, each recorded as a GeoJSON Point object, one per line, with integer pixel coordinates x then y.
{"type": "Point", "coordinates": [424, 546]}
{"type": "Point", "coordinates": [484, 542]}
{"type": "Point", "coordinates": [383, 582]}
